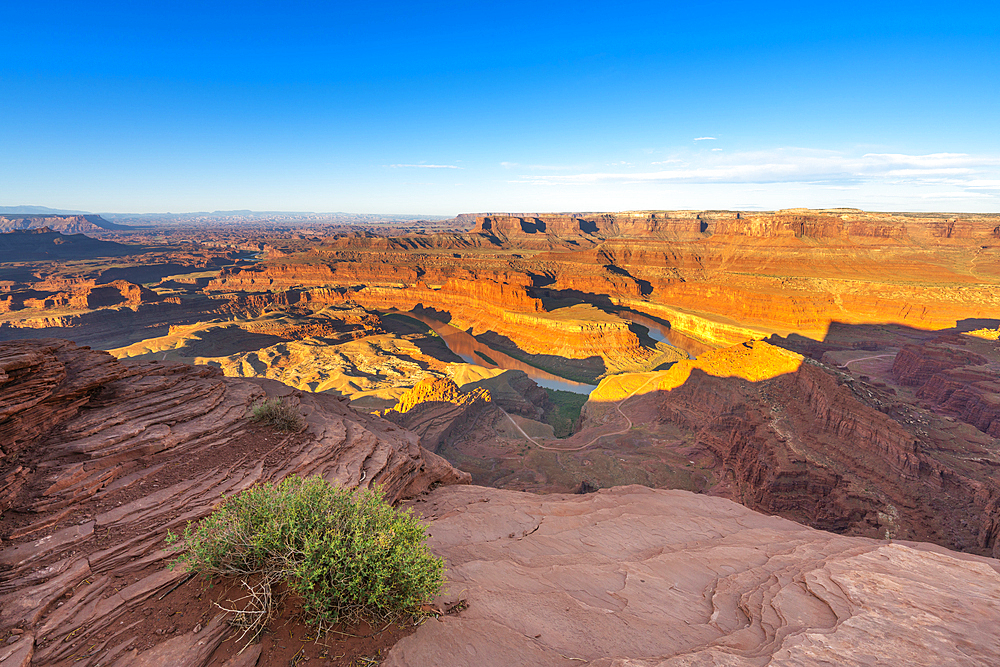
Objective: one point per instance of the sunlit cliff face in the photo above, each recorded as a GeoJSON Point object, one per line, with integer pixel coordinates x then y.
{"type": "Point", "coordinates": [438, 390]}
{"type": "Point", "coordinates": [752, 361]}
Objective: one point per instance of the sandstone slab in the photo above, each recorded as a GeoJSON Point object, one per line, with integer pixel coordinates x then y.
{"type": "Point", "coordinates": [638, 577]}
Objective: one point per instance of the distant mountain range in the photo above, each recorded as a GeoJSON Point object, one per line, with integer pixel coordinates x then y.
{"type": "Point", "coordinates": [64, 223]}
{"type": "Point", "coordinates": [240, 217]}
{"type": "Point", "coordinates": [46, 244]}
{"type": "Point", "coordinates": [38, 210]}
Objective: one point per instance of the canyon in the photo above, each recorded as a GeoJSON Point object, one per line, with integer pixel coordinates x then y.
{"type": "Point", "coordinates": [731, 399]}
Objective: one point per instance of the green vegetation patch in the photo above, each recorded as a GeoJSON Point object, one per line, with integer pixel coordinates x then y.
{"type": "Point", "coordinates": [346, 555]}
{"type": "Point", "coordinates": [275, 412]}
{"type": "Point", "coordinates": [486, 357]}
{"type": "Point", "coordinates": [566, 407]}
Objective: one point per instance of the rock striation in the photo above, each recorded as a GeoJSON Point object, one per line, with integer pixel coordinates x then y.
{"type": "Point", "coordinates": [957, 381]}
{"type": "Point", "coordinates": [651, 578]}
{"type": "Point", "coordinates": [101, 458]}
{"type": "Point", "coordinates": [788, 435]}
{"type": "Point", "coordinates": [435, 408]}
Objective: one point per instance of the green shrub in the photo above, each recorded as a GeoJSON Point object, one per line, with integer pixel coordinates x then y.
{"type": "Point", "coordinates": [565, 411]}
{"type": "Point", "coordinates": [347, 555]}
{"type": "Point", "coordinates": [274, 412]}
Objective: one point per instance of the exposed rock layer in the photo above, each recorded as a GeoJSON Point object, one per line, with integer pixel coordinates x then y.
{"type": "Point", "coordinates": [715, 272]}
{"type": "Point", "coordinates": [102, 458]}
{"type": "Point", "coordinates": [435, 408]}
{"type": "Point", "coordinates": [785, 434]}
{"type": "Point", "coordinates": [636, 577]}
{"type": "Point", "coordinates": [958, 381]}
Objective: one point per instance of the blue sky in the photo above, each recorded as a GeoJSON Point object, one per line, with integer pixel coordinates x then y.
{"type": "Point", "coordinates": [444, 107]}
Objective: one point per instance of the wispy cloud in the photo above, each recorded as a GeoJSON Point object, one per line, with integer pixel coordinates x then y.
{"type": "Point", "coordinates": [542, 167]}
{"type": "Point", "coordinates": [800, 165]}
{"type": "Point", "coordinates": [953, 195]}
{"type": "Point", "coordinates": [705, 139]}
{"type": "Point", "coordinates": [424, 166]}
{"type": "Point", "coordinates": [983, 184]}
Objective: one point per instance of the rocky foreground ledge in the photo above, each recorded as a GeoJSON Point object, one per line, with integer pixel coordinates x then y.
{"type": "Point", "coordinates": [101, 458]}
{"type": "Point", "coordinates": [635, 577]}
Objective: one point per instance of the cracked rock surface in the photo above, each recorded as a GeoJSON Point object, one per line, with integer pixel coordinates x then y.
{"type": "Point", "coordinates": [634, 577]}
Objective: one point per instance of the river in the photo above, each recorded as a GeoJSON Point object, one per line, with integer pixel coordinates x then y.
{"type": "Point", "coordinates": [661, 331]}
{"type": "Point", "coordinates": [464, 345]}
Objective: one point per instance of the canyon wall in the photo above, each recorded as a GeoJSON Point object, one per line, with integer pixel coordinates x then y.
{"type": "Point", "coordinates": [717, 276]}
{"type": "Point", "coordinates": [957, 381]}
{"type": "Point", "coordinates": [788, 435]}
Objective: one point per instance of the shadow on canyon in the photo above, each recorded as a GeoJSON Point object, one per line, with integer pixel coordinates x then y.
{"type": "Point", "coordinates": [879, 430]}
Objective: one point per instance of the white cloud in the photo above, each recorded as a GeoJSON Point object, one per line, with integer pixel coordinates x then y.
{"type": "Point", "coordinates": [425, 166]}
{"type": "Point", "coordinates": [807, 165]}
{"type": "Point", "coordinates": [953, 195]}
{"type": "Point", "coordinates": [705, 139]}
{"type": "Point", "coordinates": [548, 167]}
{"type": "Point", "coordinates": [983, 184]}
{"type": "Point", "coordinates": [930, 160]}
{"type": "Point", "coordinates": [890, 181]}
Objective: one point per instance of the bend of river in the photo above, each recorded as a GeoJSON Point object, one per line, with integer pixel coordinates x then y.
{"type": "Point", "coordinates": [466, 346]}
{"type": "Point", "coordinates": [662, 332]}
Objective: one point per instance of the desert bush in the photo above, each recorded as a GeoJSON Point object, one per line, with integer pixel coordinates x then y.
{"type": "Point", "coordinates": [347, 555]}
{"type": "Point", "coordinates": [275, 412]}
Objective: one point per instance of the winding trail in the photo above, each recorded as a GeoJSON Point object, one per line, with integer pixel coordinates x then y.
{"type": "Point", "coordinates": [877, 356]}
{"type": "Point", "coordinates": [618, 406]}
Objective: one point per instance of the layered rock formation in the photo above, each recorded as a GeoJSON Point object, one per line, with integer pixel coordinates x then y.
{"type": "Point", "coordinates": [438, 390]}
{"type": "Point", "coordinates": [81, 297]}
{"type": "Point", "coordinates": [831, 224]}
{"type": "Point", "coordinates": [503, 309]}
{"type": "Point", "coordinates": [378, 365]}
{"type": "Point", "coordinates": [435, 408]}
{"type": "Point", "coordinates": [716, 276]}
{"type": "Point", "coordinates": [957, 381]}
{"type": "Point", "coordinates": [102, 458]}
{"type": "Point", "coordinates": [633, 576]}
{"type": "Point", "coordinates": [571, 295]}
{"type": "Point", "coordinates": [788, 435]}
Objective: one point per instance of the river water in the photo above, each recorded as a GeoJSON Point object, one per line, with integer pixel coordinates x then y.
{"type": "Point", "coordinates": [662, 332]}
{"type": "Point", "coordinates": [466, 346]}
